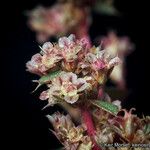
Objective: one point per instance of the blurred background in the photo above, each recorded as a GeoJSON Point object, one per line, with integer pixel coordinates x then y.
{"type": "Point", "coordinates": [23, 123]}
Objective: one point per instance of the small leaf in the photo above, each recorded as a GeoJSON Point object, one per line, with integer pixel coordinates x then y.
{"type": "Point", "coordinates": [147, 129]}
{"type": "Point", "coordinates": [47, 78]}
{"type": "Point", "coordinates": [107, 106]}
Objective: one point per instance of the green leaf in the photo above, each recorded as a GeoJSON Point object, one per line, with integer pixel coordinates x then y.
{"type": "Point", "coordinates": [107, 106]}
{"type": "Point", "coordinates": [47, 78]}
{"type": "Point", "coordinates": [147, 128]}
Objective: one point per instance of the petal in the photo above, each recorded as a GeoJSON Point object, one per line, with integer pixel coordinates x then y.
{"type": "Point", "coordinates": [72, 37]}
{"type": "Point", "coordinates": [44, 95]}
{"type": "Point", "coordinates": [47, 46]}
{"type": "Point", "coordinates": [36, 57]}
{"type": "Point", "coordinates": [113, 62]}
{"type": "Point", "coordinates": [82, 84]}
{"type": "Point", "coordinates": [73, 78]}
{"type": "Point", "coordinates": [62, 42]}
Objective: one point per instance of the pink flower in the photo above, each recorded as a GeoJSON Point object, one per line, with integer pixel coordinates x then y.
{"type": "Point", "coordinates": [117, 45]}
{"type": "Point", "coordinates": [120, 46]}
{"type": "Point", "coordinates": [35, 65]}
{"type": "Point", "coordinates": [51, 55]}
{"type": "Point", "coordinates": [41, 63]}
{"type": "Point", "coordinates": [70, 47]}
{"type": "Point", "coordinates": [127, 124]}
{"type": "Point", "coordinates": [58, 20]}
{"type": "Point", "coordinates": [50, 95]}
{"type": "Point", "coordinates": [65, 130]}
{"type": "Point", "coordinates": [102, 60]}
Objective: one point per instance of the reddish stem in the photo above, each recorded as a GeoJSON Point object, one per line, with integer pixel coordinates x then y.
{"type": "Point", "coordinates": [87, 119]}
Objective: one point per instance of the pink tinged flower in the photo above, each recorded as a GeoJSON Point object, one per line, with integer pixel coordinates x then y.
{"type": "Point", "coordinates": [58, 120]}
{"type": "Point", "coordinates": [65, 130]}
{"type": "Point", "coordinates": [66, 41]}
{"type": "Point", "coordinates": [65, 87]}
{"type": "Point", "coordinates": [47, 47]}
{"type": "Point", "coordinates": [35, 65]}
{"type": "Point", "coordinates": [70, 47]}
{"type": "Point", "coordinates": [71, 86]}
{"type": "Point", "coordinates": [51, 55]}
{"type": "Point", "coordinates": [102, 60]}
{"type": "Point", "coordinates": [117, 45]}
{"type": "Point", "coordinates": [126, 123]}
{"type": "Point", "coordinates": [114, 62]}
{"type": "Point", "coordinates": [98, 64]}
{"type": "Point", "coordinates": [50, 95]}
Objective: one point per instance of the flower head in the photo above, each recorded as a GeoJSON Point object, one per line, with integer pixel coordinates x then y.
{"type": "Point", "coordinates": [51, 55]}
{"type": "Point", "coordinates": [68, 87]}
{"type": "Point", "coordinates": [35, 65]}
{"type": "Point", "coordinates": [59, 19]}
{"type": "Point", "coordinates": [101, 64]}
{"type": "Point", "coordinates": [41, 63]}
{"type": "Point", "coordinates": [69, 134]}
{"type": "Point", "coordinates": [102, 60]}
{"type": "Point", "coordinates": [70, 47]}
{"type": "Point", "coordinates": [120, 46]}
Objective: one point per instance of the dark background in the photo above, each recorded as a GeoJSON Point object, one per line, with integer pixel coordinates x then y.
{"type": "Point", "coordinates": [24, 125]}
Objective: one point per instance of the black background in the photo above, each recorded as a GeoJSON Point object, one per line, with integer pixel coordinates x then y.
{"type": "Point", "coordinates": [24, 125]}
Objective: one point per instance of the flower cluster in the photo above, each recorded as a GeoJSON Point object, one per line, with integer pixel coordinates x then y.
{"type": "Point", "coordinates": [60, 19]}
{"type": "Point", "coordinates": [74, 73]}
{"type": "Point", "coordinates": [67, 50]}
{"type": "Point", "coordinates": [73, 57]}
{"type": "Point", "coordinates": [66, 87]}
{"type": "Point", "coordinates": [71, 136]}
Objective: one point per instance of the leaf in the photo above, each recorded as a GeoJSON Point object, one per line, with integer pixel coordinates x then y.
{"type": "Point", "coordinates": [147, 129]}
{"type": "Point", "coordinates": [47, 78]}
{"type": "Point", "coordinates": [107, 106]}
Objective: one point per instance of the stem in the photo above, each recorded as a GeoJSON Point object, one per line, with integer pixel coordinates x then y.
{"type": "Point", "coordinates": [87, 120]}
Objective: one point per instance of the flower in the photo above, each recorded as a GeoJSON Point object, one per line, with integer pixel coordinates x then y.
{"type": "Point", "coordinates": [122, 47]}
{"type": "Point", "coordinates": [60, 121]}
{"type": "Point", "coordinates": [101, 64]}
{"type": "Point", "coordinates": [59, 19]}
{"type": "Point", "coordinates": [127, 125]}
{"type": "Point", "coordinates": [49, 94]}
{"type": "Point", "coordinates": [51, 55]}
{"type": "Point", "coordinates": [41, 63]}
{"type": "Point", "coordinates": [72, 51]}
{"type": "Point", "coordinates": [35, 65]}
{"type": "Point", "coordinates": [70, 47]}
{"type": "Point", "coordinates": [117, 45]}
{"type": "Point", "coordinates": [70, 136]}
{"type": "Point", "coordinates": [67, 86]}
{"type": "Point", "coordinates": [106, 135]}
{"type": "Point", "coordinates": [102, 60]}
